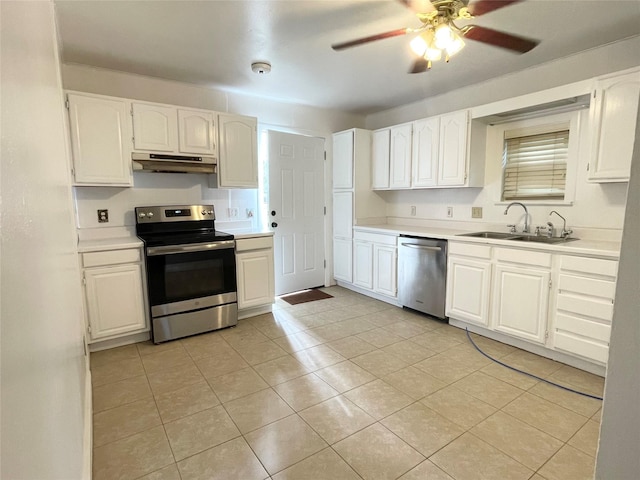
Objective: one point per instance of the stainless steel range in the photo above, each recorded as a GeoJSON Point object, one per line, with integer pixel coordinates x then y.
{"type": "Point", "coordinates": [191, 270]}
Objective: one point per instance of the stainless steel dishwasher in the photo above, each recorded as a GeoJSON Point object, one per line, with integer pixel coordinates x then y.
{"type": "Point", "coordinates": [422, 274]}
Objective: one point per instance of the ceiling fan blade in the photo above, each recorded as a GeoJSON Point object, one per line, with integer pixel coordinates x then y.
{"type": "Point", "coordinates": [499, 39]}
{"type": "Point", "coordinates": [372, 38]}
{"type": "Point", "coordinates": [485, 6]}
{"type": "Point", "coordinates": [418, 6]}
{"type": "Point", "coordinates": [420, 65]}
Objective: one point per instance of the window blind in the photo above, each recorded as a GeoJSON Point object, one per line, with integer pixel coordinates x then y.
{"type": "Point", "coordinates": [535, 166]}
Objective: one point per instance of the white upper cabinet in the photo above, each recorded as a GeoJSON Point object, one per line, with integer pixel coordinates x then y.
{"type": "Point", "coordinates": [100, 140]}
{"type": "Point", "coordinates": [426, 135]}
{"type": "Point", "coordinates": [400, 160]}
{"type": "Point", "coordinates": [343, 152]}
{"type": "Point", "coordinates": [613, 115]}
{"type": "Point", "coordinates": [238, 163]}
{"type": "Point", "coordinates": [452, 159]}
{"type": "Point", "coordinates": [197, 132]}
{"type": "Point", "coordinates": [380, 145]}
{"type": "Point", "coordinates": [155, 127]}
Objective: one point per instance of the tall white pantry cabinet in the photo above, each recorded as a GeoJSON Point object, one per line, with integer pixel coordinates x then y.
{"type": "Point", "coordinates": [353, 198]}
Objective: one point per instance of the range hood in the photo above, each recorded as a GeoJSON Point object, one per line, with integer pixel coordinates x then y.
{"type": "Point", "coordinates": [159, 162]}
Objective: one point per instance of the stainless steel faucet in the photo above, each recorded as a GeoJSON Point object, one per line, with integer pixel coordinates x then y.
{"type": "Point", "coordinates": [526, 215]}
{"type": "Point", "coordinates": [565, 233]}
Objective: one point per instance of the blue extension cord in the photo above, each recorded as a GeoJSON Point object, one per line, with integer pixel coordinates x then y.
{"type": "Point", "coordinates": [528, 374]}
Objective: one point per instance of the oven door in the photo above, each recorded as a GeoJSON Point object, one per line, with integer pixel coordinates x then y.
{"type": "Point", "coordinates": [181, 278]}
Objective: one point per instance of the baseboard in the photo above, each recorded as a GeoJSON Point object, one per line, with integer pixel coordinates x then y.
{"type": "Point", "coordinates": [118, 342]}
{"type": "Point", "coordinates": [369, 293]}
{"type": "Point", "coordinates": [529, 347]}
{"type": "Point", "coordinates": [255, 311]}
{"type": "Point", "coordinates": [87, 440]}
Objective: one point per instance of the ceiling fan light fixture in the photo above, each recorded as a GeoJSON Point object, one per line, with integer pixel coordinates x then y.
{"type": "Point", "coordinates": [443, 36]}
{"type": "Point", "coordinates": [419, 45]}
{"type": "Point", "coordinates": [433, 54]}
{"type": "Point", "coordinates": [455, 46]}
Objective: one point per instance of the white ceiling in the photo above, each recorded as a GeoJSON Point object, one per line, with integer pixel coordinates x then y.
{"type": "Point", "coordinates": [213, 43]}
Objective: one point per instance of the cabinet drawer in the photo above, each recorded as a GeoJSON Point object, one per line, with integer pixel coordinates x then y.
{"type": "Point", "coordinates": [258, 243]}
{"type": "Point", "coordinates": [583, 327]}
{"type": "Point", "coordinates": [591, 307]}
{"type": "Point", "coordinates": [470, 250]}
{"type": "Point", "coordinates": [375, 238]}
{"type": "Point", "coordinates": [110, 257]}
{"type": "Point", "coordinates": [525, 257]}
{"type": "Point", "coordinates": [593, 266]}
{"type": "Point", "coordinates": [587, 286]}
{"type": "Point", "coordinates": [582, 346]}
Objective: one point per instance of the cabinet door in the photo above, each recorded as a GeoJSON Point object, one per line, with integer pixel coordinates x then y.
{"type": "Point", "coordinates": [468, 283]}
{"type": "Point", "coordinates": [452, 158]}
{"type": "Point", "coordinates": [520, 301]}
{"type": "Point", "coordinates": [400, 160]}
{"type": "Point", "coordinates": [363, 264]}
{"type": "Point", "coordinates": [613, 124]}
{"type": "Point", "coordinates": [255, 278]}
{"type": "Point", "coordinates": [155, 127]}
{"type": "Point", "coordinates": [115, 300]}
{"type": "Point", "coordinates": [425, 147]}
{"type": "Point", "coordinates": [385, 268]}
{"type": "Point", "coordinates": [100, 140]}
{"type": "Point", "coordinates": [343, 214]}
{"type": "Point", "coordinates": [380, 159]}
{"type": "Point", "coordinates": [343, 152]}
{"type": "Point", "coordinates": [238, 163]}
{"type": "Point", "coordinates": [196, 132]}
{"type": "Point", "coordinates": [342, 259]}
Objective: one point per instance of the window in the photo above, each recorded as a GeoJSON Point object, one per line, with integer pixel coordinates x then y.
{"type": "Point", "coordinates": [535, 166]}
{"type": "Point", "coordinates": [536, 159]}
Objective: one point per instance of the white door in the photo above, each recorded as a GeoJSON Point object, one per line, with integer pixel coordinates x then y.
{"type": "Point", "coordinates": [400, 161]}
{"type": "Point", "coordinates": [426, 135]}
{"type": "Point", "coordinates": [196, 131]}
{"type": "Point", "coordinates": [343, 146]}
{"type": "Point", "coordinates": [296, 210]}
{"type": "Point", "coordinates": [385, 268]}
{"type": "Point", "coordinates": [363, 264]}
{"type": "Point", "coordinates": [380, 159]}
{"type": "Point", "coordinates": [452, 158]}
{"type": "Point", "coordinates": [155, 127]}
{"type": "Point", "coordinates": [468, 283]}
{"type": "Point", "coordinates": [238, 163]}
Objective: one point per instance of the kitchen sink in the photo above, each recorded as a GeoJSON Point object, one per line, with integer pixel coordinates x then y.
{"type": "Point", "coordinates": [495, 235]}
{"type": "Point", "coordinates": [518, 237]}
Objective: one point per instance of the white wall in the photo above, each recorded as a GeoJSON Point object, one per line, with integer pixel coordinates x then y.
{"type": "Point", "coordinates": [43, 365]}
{"type": "Point", "coordinates": [598, 206]}
{"type": "Point", "coordinates": [620, 432]}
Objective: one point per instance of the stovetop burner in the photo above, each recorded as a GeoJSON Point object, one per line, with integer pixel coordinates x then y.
{"type": "Point", "coordinates": [177, 225]}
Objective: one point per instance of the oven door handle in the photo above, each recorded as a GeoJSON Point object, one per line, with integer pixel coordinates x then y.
{"type": "Point", "coordinates": [194, 247]}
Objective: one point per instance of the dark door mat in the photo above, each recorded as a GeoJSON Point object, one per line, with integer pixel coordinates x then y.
{"type": "Point", "coordinates": [305, 296]}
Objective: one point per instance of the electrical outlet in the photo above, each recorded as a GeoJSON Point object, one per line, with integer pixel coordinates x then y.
{"type": "Point", "coordinates": [249, 212]}
{"type": "Point", "coordinates": [103, 216]}
{"type": "Point", "coordinates": [476, 212]}
{"type": "Point", "coordinates": [449, 212]}
{"type": "Point", "coordinates": [233, 212]}
{"type": "Point", "coordinates": [413, 210]}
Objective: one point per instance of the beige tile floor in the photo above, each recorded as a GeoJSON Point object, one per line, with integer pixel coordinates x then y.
{"type": "Point", "coordinates": [343, 388]}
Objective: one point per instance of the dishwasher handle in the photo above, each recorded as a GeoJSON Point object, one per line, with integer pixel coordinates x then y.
{"type": "Point", "coordinates": [421, 247]}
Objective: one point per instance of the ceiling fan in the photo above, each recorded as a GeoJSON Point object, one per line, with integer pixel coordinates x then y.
{"type": "Point", "coordinates": [439, 34]}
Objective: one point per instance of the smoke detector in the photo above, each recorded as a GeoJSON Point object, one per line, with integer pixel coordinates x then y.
{"type": "Point", "coordinates": [261, 68]}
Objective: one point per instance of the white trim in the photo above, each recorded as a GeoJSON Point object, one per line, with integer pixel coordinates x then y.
{"type": "Point", "coordinates": [87, 441]}
{"type": "Point", "coordinates": [255, 311]}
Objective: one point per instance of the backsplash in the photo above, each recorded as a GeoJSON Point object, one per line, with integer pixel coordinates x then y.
{"type": "Point", "coordinates": [231, 205]}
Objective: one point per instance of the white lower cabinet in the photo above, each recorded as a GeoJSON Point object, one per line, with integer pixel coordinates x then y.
{"type": "Point", "coordinates": [363, 264]}
{"type": "Point", "coordinates": [468, 284]}
{"type": "Point", "coordinates": [385, 270]}
{"type": "Point", "coordinates": [114, 293]}
{"type": "Point", "coordinates": [521, 284]}
{"type": "Point", "coordinates": [375, 263]}
{"type": "Point", "coordinates": [343, 259]}
{"type": "Point", "coordinates": [255, 272]}
{"type": "Point", "coordinates": [584, 306]}
{"type": "Point", "coordinates": [520, 301]}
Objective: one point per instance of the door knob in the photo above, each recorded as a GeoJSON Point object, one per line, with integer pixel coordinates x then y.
{"type": "Point", "coordinates": [273, 213]}
{"type": "Point", "coordinates": [274, 224]}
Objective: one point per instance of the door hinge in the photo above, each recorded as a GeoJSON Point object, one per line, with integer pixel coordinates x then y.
{"type": "Point", "coordinates": [131, 111]}
{"type": "Point", "coordinates": [325, 154]}
{"type": "Point", "coordinates": [66, 102]}
{"type": "Point", "coordinates": [594, 93]}
{"type": "Point", "coordinates": [84, 280]}
{"type": "Point", "coordinates": [325, 263]}
{"type": "Point", "coordinates": [546, 334]}
{"type": "Point", "coordinates": [325, 210]}
{"type": "Point", "coordinates": [587, 167]}
{"type": "Point", "coordinates": [73, 172]}
{"type": "Point", "coordinates": [89, 328]}
{"type": "Point", "coordinates": [133, 140]}
{"type": "Point", "coordinates": [550, 282]}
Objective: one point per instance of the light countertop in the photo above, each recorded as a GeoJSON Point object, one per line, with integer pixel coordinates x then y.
{"type": "Point", "coordinates": [588, 247]}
